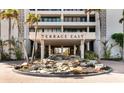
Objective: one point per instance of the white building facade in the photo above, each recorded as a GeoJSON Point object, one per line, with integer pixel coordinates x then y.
{"type": "Point", "coordinates": [70, 31]}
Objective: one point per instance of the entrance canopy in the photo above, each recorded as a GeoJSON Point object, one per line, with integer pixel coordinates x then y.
{"type": "Point", "coordinates": [62, 36]}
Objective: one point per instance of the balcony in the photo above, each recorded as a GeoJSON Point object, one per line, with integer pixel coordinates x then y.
{"type": "Point", "coordinates": [46, 12]}
{"type": "Point", "coordinates": [63, 36]}
{"type": "Point", "coordinates": [60, 11]}
{"type": "Point", "coordinates": [67, 23]}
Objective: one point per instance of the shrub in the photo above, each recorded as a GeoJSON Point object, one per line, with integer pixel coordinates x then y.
{"type": "Point", "coordinates": [18, 54]}
{"type": "Point", "coordinates": [118, 37]}
{"type": "Point", "coordinates": [112, 59]}
{"type": "Point", "coordinates": [5, 56]}
{"type": "Point", "coordinates": [90, 55]}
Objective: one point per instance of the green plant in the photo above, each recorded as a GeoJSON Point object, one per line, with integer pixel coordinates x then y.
{"type": "Point", "coordinates": [90, 55]}
{"type": "Point", "coordinates": [15, 48]}
{"type": "Point", "coordinates": [5, 56]}
{"type": "Point", "coordinates": [118, 37]}
{"type": "Point", "coordinates": [8, 14]}
{"type": "Point", "coordinates": [122, 22]}
{"type": "Point", "coordinates": [18, 54]}
{"type": "Point", "coordinates": [107, 48]}
{"type": "Point", "coordinates": [33, 19]}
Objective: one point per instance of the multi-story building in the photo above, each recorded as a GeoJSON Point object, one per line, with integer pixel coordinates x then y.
{"type": "Point", "coordinates": [70, 31]}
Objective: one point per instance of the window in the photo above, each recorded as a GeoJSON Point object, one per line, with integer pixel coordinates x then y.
{"type": "Point", "coordinates": [92, 29]}
{"type": "Point", "coordinates": [75, 19]}
{"type": "Point", "coordinates": [32, 9]}
{"type": "Point", "coordinates": [51, 30]}
{"type": "Point", "coordinates": [50, 19]}
{"type": "Point", "coordinates": [74, 29]}
{"type": "Point", "coordinates": [31, 30]}
{"type": "Point", "coordinates": [83, 19]}
{"type": "Point", "coordinates": [73, 9]}
{"type": "Point", "coordinates": [92, 18]}
{"type": "Point", "coordinates": [91, 45]}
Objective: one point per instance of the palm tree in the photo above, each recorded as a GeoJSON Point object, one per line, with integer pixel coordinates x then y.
{"type": "Point", "coordinates": [16, 17]}
{"type": "Point", "coordinates": [122, 22]}
{"type": "Point", "coordinates": [0, 38]}
{"type": "Point", "coordinates": [33, 19]}
{"type": "Point", "coordinates": [98, 12]}
{"type": "Point", "coordinates": [14, 14]}
{"type": "Point", "coordinates": [8, 14]}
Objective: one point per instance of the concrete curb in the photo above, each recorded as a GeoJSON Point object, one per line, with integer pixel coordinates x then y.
{"type": "Point", "coordinates": [61, 75]}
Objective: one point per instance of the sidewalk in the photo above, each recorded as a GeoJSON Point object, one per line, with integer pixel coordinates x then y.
{"type": "Point", "coordinates": [8, 76]}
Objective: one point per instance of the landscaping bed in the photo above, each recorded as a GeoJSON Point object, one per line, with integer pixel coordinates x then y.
{"type": "Point", "coordinates": [60, 66]}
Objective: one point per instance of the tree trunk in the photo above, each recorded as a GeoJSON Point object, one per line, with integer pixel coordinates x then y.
{"type": "Point", "coordinates": [33, 50]}
{"type": "Point", "coordinates": [9, 37]}
{"type": "Point", "coordinates": [123, 43]}
{"type": "Point", "coordinates": [22, 41]}
{"type": "Point", "coordinates": [1, 42]}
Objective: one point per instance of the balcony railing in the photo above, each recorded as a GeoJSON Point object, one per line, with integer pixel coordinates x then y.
{"type": "Point", "coordinates": [67, 23]}
{"type": "Point", "coordinates": [73, 9]}
{"type": "Point", "coordinates": [49, 9]}
{"type": "Point", "coordinates": [57, 9]}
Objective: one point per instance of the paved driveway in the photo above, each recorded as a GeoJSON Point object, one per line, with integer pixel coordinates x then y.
{"type": "Point", "coordinates": [8, 76]}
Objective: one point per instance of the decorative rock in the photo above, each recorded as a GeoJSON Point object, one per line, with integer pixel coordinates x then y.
{"type": "Point", "coordinates": [77, 70]}
{"type": "Point", "coordinates": [35, 67]}
{"type": "Point", "coordinates": [17, 67]}
{"type": "Point", "coordinates": [75, 63]}
{"type": "Point", "coordinates": [64, 68]}
{"type": "Point", "coordinates": [89, 70]}
{"type": "Point", "coordinates": [35, 62]}
{"type": "Point", "coordinates": [98, 67]}
{"type": "Point", "coordinates": [45, 60]}
{"type": "Point", "coordinates": [24, 64]}
{"type": "Point", "coordinates": [33, 71]}
{"type": "Point", "coordinates": [92, 62]}
{"type": "Point", "coordinates": [83, 64]}
{"type": "Point", "coordinates": [43, 71]}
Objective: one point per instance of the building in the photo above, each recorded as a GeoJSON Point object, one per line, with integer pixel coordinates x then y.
{"type": "Point", "coordinates": [69, 31]}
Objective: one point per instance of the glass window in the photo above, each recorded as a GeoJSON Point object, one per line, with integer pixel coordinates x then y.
{"type": "Point", "coordinates": [92, 29]}
{"type": "Point", "coordinates": [92, 18]}
{"type": "Point", "coordinates": [74, 19]}
{"type": "Point", "coordinates": [31, 29]}
{"type": "Point", "coordinates": [32, 9]}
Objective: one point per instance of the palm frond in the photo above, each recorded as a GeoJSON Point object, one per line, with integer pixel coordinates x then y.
{"type": "Point", "coordinates": [92, 10]}
{"type": "Point", "coordinates": [121, 20]}
{"type": "Point", "coordinates": [32, 19]}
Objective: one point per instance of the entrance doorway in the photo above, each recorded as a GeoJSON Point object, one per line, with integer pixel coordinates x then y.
{"type": "Point", "coordinates": [62, 50]}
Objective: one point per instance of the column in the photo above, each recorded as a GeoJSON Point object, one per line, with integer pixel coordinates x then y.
{"type": "Point", "coordinates": [62, 19]}
{"type": "Point", "coordinates": [82, 48]}
{"type": "Point", "coordinates": [88, 45]}
{"type": "Point", "coordinates": [42, 49]}
{"type": "Point", "coordinates": [62, 28]}
{"type": "Point", "coordinates": [36, 46]}
{"type": "Point", "coordinates": [97, 41]}
{"type": "Point", "coordinates": [88, 30]}
{"type": "Point", "coordinates": [88, 17]}
{"type": "Point", "coordinates": [62, 50]}
{"type": "Point", "coordinates": [49, 50]}
{"type": "Point", "coordinates": [75, 48]}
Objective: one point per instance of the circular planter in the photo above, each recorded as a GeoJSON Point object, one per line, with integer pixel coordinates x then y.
{"type": "Point", "coordinates": [61, 74]}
